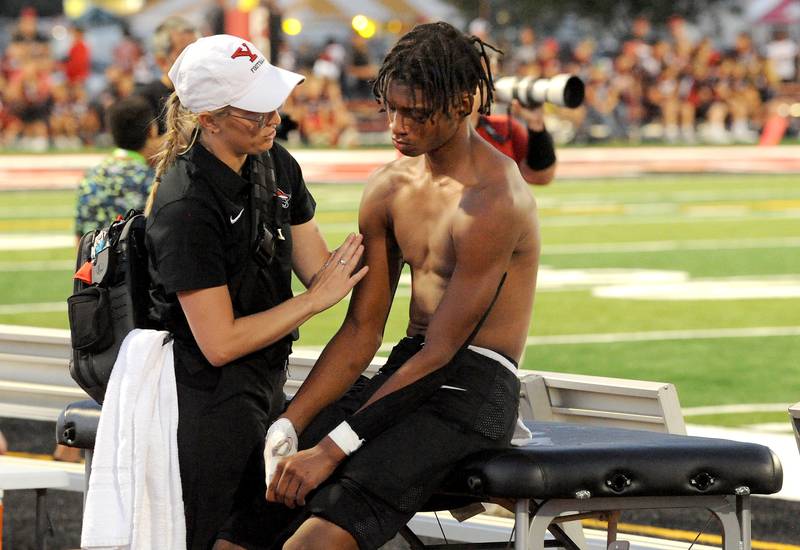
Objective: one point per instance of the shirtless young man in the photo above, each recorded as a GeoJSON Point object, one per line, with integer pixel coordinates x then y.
{"type": "Point", "coordinates": [458, 212]}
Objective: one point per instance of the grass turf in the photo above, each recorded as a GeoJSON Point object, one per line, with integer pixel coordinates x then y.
{"type": "Point", "coordinates": [714, 227]}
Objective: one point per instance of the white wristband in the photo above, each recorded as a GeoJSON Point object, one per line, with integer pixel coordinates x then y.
{"type": "Point", "coordinates": [346, 438]}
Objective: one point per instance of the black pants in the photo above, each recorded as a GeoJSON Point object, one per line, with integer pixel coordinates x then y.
{"type": "Point", "coordinates": [220, 449]}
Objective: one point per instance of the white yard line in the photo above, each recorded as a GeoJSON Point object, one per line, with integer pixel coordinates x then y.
{"type": "Point", "coordinates": [665, 246]}
{"type": "Point", "coordinates": [41, 307]}
{"type": "Point", "coordinates": [561, 220]}
{"type": "Point", "coordinates": [36, 241]}
{"type": "Point", "coordinates": [658, 335]}
{"type": "Point", "coordinates": [38, 265]}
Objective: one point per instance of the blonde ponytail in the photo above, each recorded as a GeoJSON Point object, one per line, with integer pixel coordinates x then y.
{"type": "Point", "coordinates": [182, 130]}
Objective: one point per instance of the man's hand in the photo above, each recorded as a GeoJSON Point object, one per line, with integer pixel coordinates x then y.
{"type": "Point", "coordinates": [303, 472]}
{"type": "Point", "coordinates": [533, 116]}
{"type": "Point", "coordinates": [281, 442]}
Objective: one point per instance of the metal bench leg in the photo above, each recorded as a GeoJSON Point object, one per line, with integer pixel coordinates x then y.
{"type": "Point", "coordinates": [41, 519]}
{"type": "Point", "coordinates": [521, 519]}
{"type": "Point", "coordinates": [539, 523]}
{"type": "Point", "coordinates": [743, 514]}
{"type": "Point", "coordinates": [735, 520]}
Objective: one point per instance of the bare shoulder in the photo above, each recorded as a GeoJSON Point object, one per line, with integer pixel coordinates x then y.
{"type": "Point", "coordinates": [386, 180]}
{"type": "Point", "coordinates": [501, 190]}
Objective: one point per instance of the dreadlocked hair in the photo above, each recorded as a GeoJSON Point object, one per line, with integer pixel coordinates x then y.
{"type": "Point", "coordinates": [182, 130]}
{"type": "Point", "coordinates": [442, 63]}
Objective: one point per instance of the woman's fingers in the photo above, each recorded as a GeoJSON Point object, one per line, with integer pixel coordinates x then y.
{"type": "Point", "coordinates": [345, 252]}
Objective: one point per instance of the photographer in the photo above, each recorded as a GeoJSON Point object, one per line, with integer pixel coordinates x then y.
{"type": "Point", "coordinates": [531, 146]}
{"type": "Point", "coordinates": [228, 220]}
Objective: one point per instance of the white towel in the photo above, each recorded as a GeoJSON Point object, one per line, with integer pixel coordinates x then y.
{"type": "Point", "coordinates": [134, 498]}
{"type": "Point", "coordinates": [522, 435]}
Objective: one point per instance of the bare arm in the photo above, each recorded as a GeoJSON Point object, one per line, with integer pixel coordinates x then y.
{"type": "Point", "coordinates": [537, 177]}
{"type": "Point", "coordinates": [223, 338]}
{"type": "Point", "coordinates": [309, 251]}
{"type": "Point", "coordinates": [534, 120]}
{"type": "Point", "coordinates": [354, 345]}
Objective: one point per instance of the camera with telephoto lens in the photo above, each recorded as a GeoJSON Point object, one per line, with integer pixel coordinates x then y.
{"type": "Point", "coordinates": [565, 90]}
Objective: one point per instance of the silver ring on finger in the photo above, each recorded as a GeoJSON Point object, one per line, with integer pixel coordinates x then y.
{"type": "Point", "coordinates": [342, 262]}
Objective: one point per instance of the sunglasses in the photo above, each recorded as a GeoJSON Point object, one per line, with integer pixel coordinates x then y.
{"type": "Point", "coordinates": [260, 120]}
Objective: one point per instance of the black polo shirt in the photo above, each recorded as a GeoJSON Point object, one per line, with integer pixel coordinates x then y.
{"type": "Point", "coordinates": [199, 235]}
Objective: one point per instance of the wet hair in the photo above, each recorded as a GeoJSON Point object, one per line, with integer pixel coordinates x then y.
{"type": "Point", "coordinates": [443, 64]}
{"type": "Point", "coordinates": [129, 120]}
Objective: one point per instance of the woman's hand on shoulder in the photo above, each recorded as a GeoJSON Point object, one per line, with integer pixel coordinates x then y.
{"type": "Point", "coordinates": [338, 275]}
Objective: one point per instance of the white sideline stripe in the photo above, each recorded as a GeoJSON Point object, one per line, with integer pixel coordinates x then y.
{"type": "Point", "coordinates": [42, 307]}
{"type": "Point", "coordinates": [628, 219]}
{"type": "Point", "coordinates": [665, 246]}
{"type": "Point", "coordinates": [51, 265]}
{"type": "Point", "coordinates": [39, 241]}
{"type": "Point", "coordinates": [699, 334]}
{"type": "Point", "coordinates": [737, 408]}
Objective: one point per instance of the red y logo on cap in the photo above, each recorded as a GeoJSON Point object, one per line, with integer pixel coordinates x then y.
{"type": "Point", "coordinates": [244, 51]}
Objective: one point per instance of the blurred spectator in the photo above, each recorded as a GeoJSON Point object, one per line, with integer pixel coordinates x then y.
{"type": "Point", "coordinates": [523, 56]}
{"type": "Point", "coordinates": [481, 28]}
{"type": "Point", "coordinates": [744, 51]}
{"type": "Point", "coordinates": [605, 116]}
{"type": "Point", "coordinates": [64, 119]}
{"type": "Point", "coordinates": [90, 119]}
{"type": "Point", "coordinates": [361, 70]}
{"type": "Point", "coordinates": [783, 53]}
{"type": "Point", "coordinates": [128, 54]}
{"type": "Point", "coordinates": [3, 444]}
{"type": "Point", "coordinates": [29, 100]}
{"type": "Point", "coordinates": [78, 63]}
{"type": "Point", "coordinates": [122, 180]}
{"type": "Point", "coordinates": [322, 117]}
{"type": "Point", "coordinates": [215, 17]}
{"type": "Point", "coordinates": [287, 58]}
{"type": "Point", "coordinates": [638, 41]}
{"type": "Point", "coordinates": [547, 57]}
{"type": "Point", "coordinates": [169, 40]}
{"type": "Point", "coordinates": [330, 61]}
{"type": "Point", "coordinates": [28, 35]}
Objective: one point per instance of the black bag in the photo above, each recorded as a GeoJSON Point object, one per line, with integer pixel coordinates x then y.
{"type": "Point", "coordinates": [117, 300]}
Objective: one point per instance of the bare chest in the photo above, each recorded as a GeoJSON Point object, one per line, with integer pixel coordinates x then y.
{"type": "Point", "coordinates": [423, 225]}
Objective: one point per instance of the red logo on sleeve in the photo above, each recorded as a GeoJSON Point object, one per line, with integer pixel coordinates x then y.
{"type": "Point", "coordinates": [244, 51]}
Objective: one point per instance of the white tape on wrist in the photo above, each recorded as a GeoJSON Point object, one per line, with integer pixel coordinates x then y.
{"type": "Point", "coordinates": [346, 438]}
{"type": "Point", "coordinates": [281, 442]}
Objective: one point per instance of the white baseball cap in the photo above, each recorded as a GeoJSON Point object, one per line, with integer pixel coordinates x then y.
{"type": "Point", "coordinates": [220, 70]}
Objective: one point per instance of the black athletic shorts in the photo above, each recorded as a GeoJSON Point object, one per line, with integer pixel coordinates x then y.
{"type": "Point", "coordinates": [381, 486]}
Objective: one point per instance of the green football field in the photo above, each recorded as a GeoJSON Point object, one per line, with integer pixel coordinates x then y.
{"type": "Point", "coordinates": [692, 279]}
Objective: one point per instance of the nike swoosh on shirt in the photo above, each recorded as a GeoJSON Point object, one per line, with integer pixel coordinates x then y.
{"type": "Point", "coordinates": [236, 219]}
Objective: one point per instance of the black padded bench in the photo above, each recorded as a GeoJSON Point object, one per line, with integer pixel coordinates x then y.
{"type": "Point", "coordinates": [579, 468]}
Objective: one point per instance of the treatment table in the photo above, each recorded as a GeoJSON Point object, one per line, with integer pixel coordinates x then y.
{"type": "Point", "coordinates": [579, 468]}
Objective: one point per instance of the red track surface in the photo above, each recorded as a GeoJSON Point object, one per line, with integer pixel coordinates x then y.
{"type": "Point", "coordinates": [60, 171]}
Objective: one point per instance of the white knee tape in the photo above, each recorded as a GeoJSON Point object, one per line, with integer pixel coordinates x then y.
{"type": "Point", "coordinates": [346, 438]}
